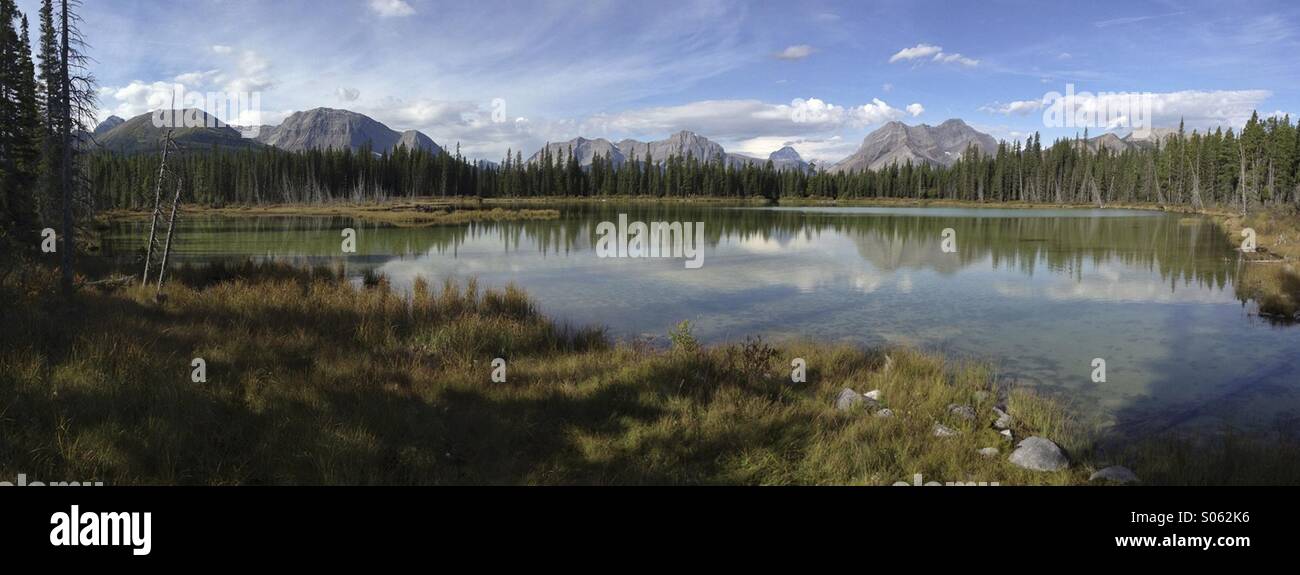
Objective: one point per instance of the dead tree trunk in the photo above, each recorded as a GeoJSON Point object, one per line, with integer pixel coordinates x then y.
{"type": "Point", "coordinates": [171, 226]}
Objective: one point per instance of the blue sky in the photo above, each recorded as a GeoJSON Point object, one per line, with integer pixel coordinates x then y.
{"type": "Point", "coordinates": [753, 76]}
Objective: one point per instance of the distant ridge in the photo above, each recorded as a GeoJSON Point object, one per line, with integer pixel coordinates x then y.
{"type": "Point", "coordinates": [331, 129]}
{"type": "Point", "coordinates": [139, 134]}
{"type": "Point", "coordinates": [898, 143]}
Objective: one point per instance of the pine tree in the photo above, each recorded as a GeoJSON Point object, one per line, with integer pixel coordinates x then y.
{"type": "Point", "coordinates": [47, 198]}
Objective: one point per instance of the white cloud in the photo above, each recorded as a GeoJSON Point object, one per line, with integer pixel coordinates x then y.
{"type": "Point", "coordinates": [220, 49]}
{"type": "Point", "coordinates": [876, 112]}
{"type": "Point", "coordinates": [391, 8]}
{"type": "Point", "coordinates": [347, 94]}
{"type": "Point", "coordinates": [1198, 108]}
{"type": "Point", "coordinates": [196, 79]}
{"type": "Point", "coordinates": [1017, 108]}
{"type": "Point", "coordinates": [945, 58]}
{"type": "Point", "coordinates": [797, 52]}
{"type": "Point", "coordinates": [934, 54]}
{"type": "Point", "coordinates": [887, 88]}
{"type": "Point", "coordinates": [915, 109]}
{"type": "Point", "coordinates": [741, 119]}
{"type": "Point", "coordinates": [915, 52]}
{"type": "Point", "coordinates": [249, 73]}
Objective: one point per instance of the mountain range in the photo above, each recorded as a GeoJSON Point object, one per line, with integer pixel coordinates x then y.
{"type": "Point", "coordinates": [317, 129]}
{"type": "Point", "coordinates": [326, 128]}
{"type": "Point", "coordinates": [681, 144]}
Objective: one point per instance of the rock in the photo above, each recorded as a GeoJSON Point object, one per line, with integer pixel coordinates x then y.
{"type": "Point", "coordinates": [941, 430]}
{"type": "Point", "coordinates": [847, 399]}
{"type": "Point", "coordinates": [989, 451]}
{"type": "Point", "coordinates": [1004, 419]}
{"type": "Point", "coordinates": [1115, 474]}
{"type": "Point", "coordinates": [1039, 454]}
{"type": "Point", "coordinates": [963, 411]}
{"type": "Point", "coordinates": [886, 412]}
{"type": "Point", "coordinates": [1007, 434]}
{"type": "Point", "coordinates": [873, 395]}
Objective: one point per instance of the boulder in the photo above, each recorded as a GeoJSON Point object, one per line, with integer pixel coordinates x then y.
{"type": "Point", "coordinates": [847, 400]}
{"type": "Point", "coordinates": [965, 412]}
{"type": "Point", "coordinates": [1004, 419]}
{"type": "Point", "coordinates": [1039, 454]}
{"type": "Point", "coordinates": [886, 412]}
{"type": "Point", "coordinates": [1006, 433]}
{"type": "Point", "coordinates": [941, 430]}
{"type": "Point", "coordinates": [873, 395]}
{"type": "Point", "coordinates": [1115, 474]}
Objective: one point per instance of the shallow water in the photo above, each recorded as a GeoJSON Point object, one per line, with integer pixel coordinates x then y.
{"type": "Point", "coordinates": [1040, 293]}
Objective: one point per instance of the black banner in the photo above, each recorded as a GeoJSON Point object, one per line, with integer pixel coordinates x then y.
{"type": "Point", "coordinates": [1182, 525]}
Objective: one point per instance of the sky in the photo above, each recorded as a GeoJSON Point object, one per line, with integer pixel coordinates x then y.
{"type": "Point", "coordinates": [754, 76]}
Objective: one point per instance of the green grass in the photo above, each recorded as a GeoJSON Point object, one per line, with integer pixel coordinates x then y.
{"type": "Point", "coordinates": [313, 380]}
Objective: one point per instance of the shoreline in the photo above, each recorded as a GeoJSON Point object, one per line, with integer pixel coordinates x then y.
{"type": "Point", "coordinates": [1271, 276]}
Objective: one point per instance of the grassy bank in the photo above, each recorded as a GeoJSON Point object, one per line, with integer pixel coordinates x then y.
{"type": "Point", "coordinates": [312, 379]}
{"type": "Point", "coordinates": [415, 213]}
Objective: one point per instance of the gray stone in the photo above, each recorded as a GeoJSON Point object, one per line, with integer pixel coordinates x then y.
{"type": "Point", "coordinates": [1115, 474]}
{"type": "Point", "coordinates": [1004, 419]}
{"type": "Point", "coordinates": [963, 411]}
{"type": "Point", "coordinates": [989, 451]}
{"type": "Point", "coordinates": [1007, 434]}
{"type": "Point", "coordinates": [1039, 454]}
{"type": "Point", "coordinates": [886, 412]}
{"type": "Point", "coordinates": [847, 400]}
{"type": "Point", "coordinates": [873, 395]}
{"type": "Point", "coordinates": [941, 430]}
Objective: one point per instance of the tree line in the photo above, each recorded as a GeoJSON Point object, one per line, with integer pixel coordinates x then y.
{"type": "Point", "coordinates": [43, 109]}
{"type": "Point", "coordinates": [1259, 165]}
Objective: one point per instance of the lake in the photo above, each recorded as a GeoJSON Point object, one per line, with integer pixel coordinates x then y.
{"type": "Point", "coordinates": [1040, 293]}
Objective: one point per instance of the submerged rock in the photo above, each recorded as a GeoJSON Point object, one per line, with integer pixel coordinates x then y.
{"type": "Point", "coordinates": [1039, 454]}
{"type": "Point", "coordinates": [1115, 474]}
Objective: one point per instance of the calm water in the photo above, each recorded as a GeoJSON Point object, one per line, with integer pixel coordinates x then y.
{"type": "Point", "coordinates": [1038, 292]}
